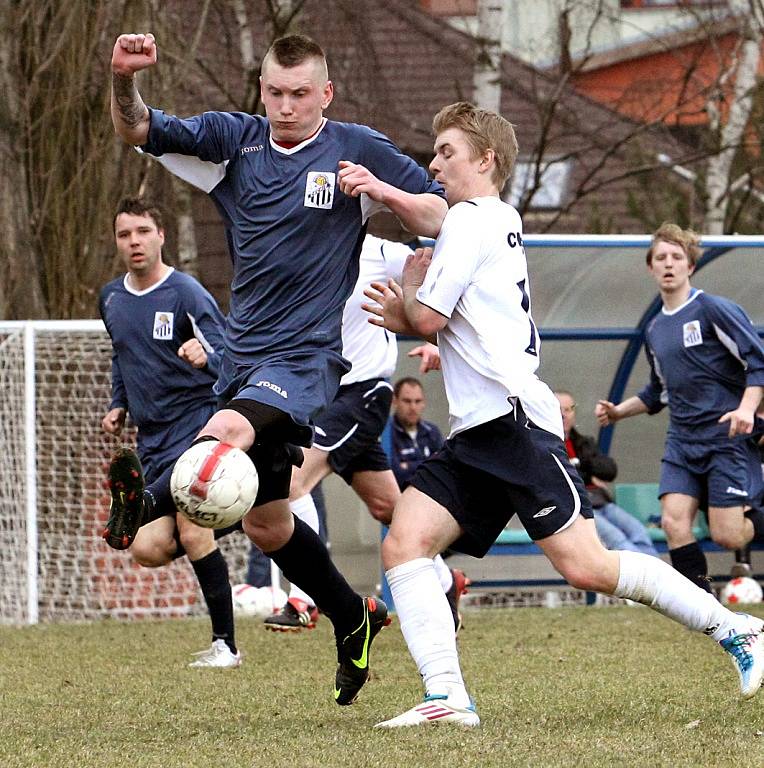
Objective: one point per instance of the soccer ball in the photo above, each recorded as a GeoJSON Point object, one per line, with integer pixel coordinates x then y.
{"type": "Point", "coordinates": [270, 600]}
{"type": "Point", "coordinates": [742, 589]}
{"type": "Point", "coordinates": [214, 484]}
{"type": "Point", "coordinates": [245, 600]}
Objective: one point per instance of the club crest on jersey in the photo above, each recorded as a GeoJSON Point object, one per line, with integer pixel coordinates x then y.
{"type": "Point", "coordinates": [319, 190]}
{"type": "Point", "coordinates": [692, 334]}
{"type": "Point", "coordinates": [163, 325]}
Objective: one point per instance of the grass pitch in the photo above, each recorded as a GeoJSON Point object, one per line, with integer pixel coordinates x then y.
{"type": "Point", "coordinates": [566, 687]}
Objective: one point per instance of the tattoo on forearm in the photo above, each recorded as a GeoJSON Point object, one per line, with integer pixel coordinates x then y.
{"type": "Point", "coordinates": [129, 103]}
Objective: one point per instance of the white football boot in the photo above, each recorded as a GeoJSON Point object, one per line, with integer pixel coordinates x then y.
{"type": "Point", "coordinates": [217, 655]}
{"type": "Point", "coordinates": [434, 710]}
{"type": "Point", "coordinates": [746, 649]}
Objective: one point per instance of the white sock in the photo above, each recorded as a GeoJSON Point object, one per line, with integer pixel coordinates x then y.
{"type": "Point", "coordinates": [654, 583]}
{"type": "Point", "coordinates": [428, 627]}
{"type": "Point", "coordinates": [445, 577]}
{"type": "Point", "coordinates": [305, 509]}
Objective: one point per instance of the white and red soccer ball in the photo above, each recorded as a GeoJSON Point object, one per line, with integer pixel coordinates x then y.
{"type": "Point", "coordinates": [257, 601]}
{"type": "Point", "coordinates": [742, 589]}
{"type": "Point", "coordinates": [214, 484]}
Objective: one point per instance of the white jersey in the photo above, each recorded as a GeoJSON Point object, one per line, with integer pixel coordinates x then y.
{"type": "Point", "coordinates": [489, 348]}
{"type": "Point", "coordinates": [372, 351]}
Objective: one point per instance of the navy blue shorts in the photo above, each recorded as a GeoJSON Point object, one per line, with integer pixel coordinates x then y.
{"type": "Point", "coordinates": [160, 446]}
{"type": "Point", "coordinates": [349, 428]}
{"type": "Point", "coordinates": [300, 384]}
{"type": "Point", "coordinates": [508, 466]}
{"type": "Point", "coordinates": [726, 472]}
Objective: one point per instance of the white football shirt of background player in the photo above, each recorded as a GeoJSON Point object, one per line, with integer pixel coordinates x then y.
{"type": "Point", "coordinates": [478, 279]}
{"type": "Point", "coordinates": [372, 350]}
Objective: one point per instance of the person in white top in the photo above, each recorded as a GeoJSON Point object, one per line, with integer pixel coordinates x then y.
{"type": "Point", "coordinates": [505, 454]}
{"type": "Point", "coordinates": [347, 440]}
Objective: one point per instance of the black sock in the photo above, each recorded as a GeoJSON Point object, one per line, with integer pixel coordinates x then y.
{"type": "Point", "coordinates": [690, 561]}
{"type": "Point", "coordinates": [743, 555]}
{"type": "Point", "coordinates": [304, 560]}
{"type": "Point", "coordinates": [157, 497]}
{"type": "Point", "coordinates": [756, 516]}
{"type": "Point", "coordinates": [212, 573]}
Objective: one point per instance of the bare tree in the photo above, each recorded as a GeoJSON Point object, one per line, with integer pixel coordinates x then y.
{"type": "Point", "coordinates": [487, 77]}
{"type": "Point", "coordinates": [743, 67]}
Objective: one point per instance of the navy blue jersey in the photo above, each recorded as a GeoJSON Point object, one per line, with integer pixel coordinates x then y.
{"type": "Point", "coordinates": [294, 237]}
{"type": "Point", "coordinates": [147, 328]}
{"type": "Point", "coordinates": [702, 356]}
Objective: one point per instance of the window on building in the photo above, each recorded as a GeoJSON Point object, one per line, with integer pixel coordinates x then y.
{"type": "Point", "coordinates": [551, 189]}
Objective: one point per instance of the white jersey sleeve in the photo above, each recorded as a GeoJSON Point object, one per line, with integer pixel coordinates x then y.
{"type": "Point", "coordinates": [454, 261]}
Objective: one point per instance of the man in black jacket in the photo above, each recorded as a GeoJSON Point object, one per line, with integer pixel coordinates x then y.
{"type": "Point", "coordinates": [616, 528]}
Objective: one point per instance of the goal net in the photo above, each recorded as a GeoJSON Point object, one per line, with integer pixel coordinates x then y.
{"type": "Point", "coordinates": [55, 387]}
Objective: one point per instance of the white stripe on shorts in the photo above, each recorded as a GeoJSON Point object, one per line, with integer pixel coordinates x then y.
{"type": "Point", "coordinates": [343, 439]}
{"type": "Point", "coordinates": [576, 497]}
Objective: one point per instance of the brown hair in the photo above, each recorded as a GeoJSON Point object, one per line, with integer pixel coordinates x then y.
{"type": "Point", "coordinates": [406, 380]}
{"type": "Point", "coordinates": [483, 130]}
{"type": "Point", "coordinates": [686, 239]}
{"type": "Point", "coordinates": [140, 206]}
{"type": "Point", "coordinates": [293, 50]}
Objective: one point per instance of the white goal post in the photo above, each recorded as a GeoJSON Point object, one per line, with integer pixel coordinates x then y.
{"type": "Point", "coordinates": [55, 387]}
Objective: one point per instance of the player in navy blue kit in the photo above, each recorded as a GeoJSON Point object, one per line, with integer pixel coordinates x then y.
{"type": "Point", "coordinates": [167, 340]}
{"type": "Point", "coordinates": [505, 454]}
{"type": "Point", "coordinates": [707, 365]}
{"type": "Point", "coordinates": [295, 193]}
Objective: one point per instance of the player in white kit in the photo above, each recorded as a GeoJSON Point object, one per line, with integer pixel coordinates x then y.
{"type": "Point", "coordinates": [505, 454]}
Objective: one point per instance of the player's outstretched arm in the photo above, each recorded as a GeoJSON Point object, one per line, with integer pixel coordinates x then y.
{"type": "Point", "coordinates": [608, 413]}
{"type": "Point", "coordinates": [421, 214]}
{"type": "Point", "coordinates": [129, 114]}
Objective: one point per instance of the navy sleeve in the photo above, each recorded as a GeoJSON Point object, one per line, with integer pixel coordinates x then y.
{"type": "Point", "coordinates": [208, 324]}
{"type": "Point", "coordinates": [653, 394]}
{"type": "Point", "coordinates": [118, 391]}
{"type": "Point", "coordinates": [735, 331]}
{"type": "Point", "coordinates": [212, 136]}
{"type": "Point", "coordinates": [390, 165]}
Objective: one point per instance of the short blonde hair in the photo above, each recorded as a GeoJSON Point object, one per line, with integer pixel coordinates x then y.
{"type": "Point", "coordinates": [686, 239]}
{"type": "Point", "coordinates": [483, 130]}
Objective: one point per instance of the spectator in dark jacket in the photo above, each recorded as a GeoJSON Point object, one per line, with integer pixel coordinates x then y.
{"type": "Point", "coordinates": [616, 528]}
{"type": "Point", "coordinates": [413, 438]}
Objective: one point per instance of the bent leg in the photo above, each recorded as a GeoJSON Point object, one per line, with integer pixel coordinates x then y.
{"type": "Point", "coordinates": [304, 561]}
{"type": "Point", "coordinates": [314, 469]}
{"type": "Point", "coordinates": [154, 544]}
{"type": "Point", "coordinates": [379, 492]}
{"type": "Point", "coordinates": [729, 527]}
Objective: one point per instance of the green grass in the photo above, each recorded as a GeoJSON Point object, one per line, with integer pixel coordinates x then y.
{"type": "Point", "coordinates": [568, 687]}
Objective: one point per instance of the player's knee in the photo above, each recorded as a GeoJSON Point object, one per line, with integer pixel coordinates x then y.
{"type": "Point", "coordinates": [675, 526]}
{"type": "Point", "coordinates": [153, 556]}
{"type": "Point", "coordinates": [581, 577]}
{"type": "Point", "coordinates": [729, 539]}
